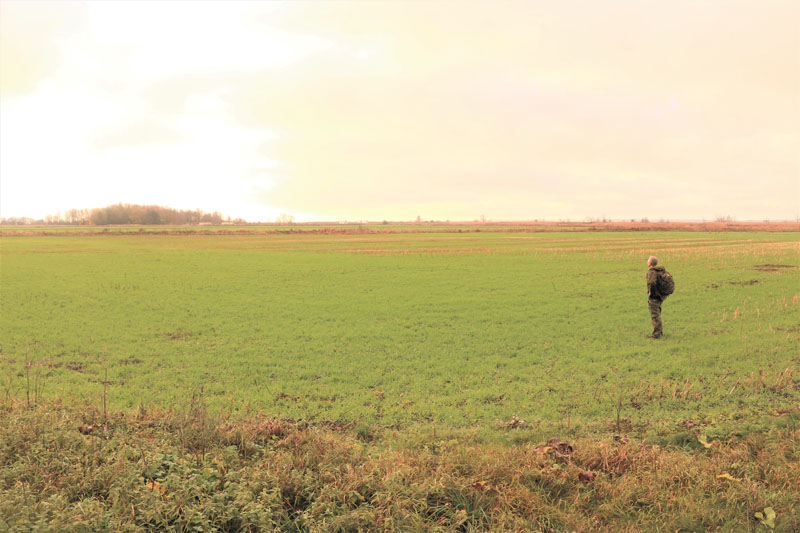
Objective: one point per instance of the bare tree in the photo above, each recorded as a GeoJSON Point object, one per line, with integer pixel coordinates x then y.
{"type": "Point", "coordinates": [283, 218]}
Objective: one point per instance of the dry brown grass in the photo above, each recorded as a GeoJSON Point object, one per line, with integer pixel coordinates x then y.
{"type": "Point", "coordinates": [391, 228]}
{"type": "Point", "coordinates": [67, 467]}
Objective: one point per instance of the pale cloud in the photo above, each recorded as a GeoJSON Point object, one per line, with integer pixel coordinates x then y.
{"type": "Point", "coordinates": [592, 111]}
{"type": "Point", "coordinates": [447, 110]}
{"type": "Point", "coordinates": [30, 33]}
{"type": "Point", "coordinates": [141, 132]}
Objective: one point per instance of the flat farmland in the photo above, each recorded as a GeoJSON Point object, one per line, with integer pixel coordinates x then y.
{"type": "Point", "coordinates": [400, 329]}
{"type": "Point", "coordinates": [414, 378]}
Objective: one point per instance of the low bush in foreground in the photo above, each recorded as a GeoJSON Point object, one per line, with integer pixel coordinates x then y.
{"type": "Point", "coordinates": [67, 468]}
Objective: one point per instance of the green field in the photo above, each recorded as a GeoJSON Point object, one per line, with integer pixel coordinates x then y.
{"type": "Point", "coordinates": [457, 329]}
{"type": "Point", "coordinates": [383, 380]}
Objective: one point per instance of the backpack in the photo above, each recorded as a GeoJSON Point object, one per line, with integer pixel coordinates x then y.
{"type": "Point", "coordinates": [666, 285]}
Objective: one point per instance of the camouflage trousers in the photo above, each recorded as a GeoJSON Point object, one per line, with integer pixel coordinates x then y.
{"type": "Point", "coordinates": [655, 316]}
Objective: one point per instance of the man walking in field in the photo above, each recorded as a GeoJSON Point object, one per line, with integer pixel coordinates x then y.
{"type": "Point", "coordinates": [659, 286]}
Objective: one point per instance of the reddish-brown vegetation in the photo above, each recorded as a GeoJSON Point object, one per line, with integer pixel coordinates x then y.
{"type": "Point", "coordinates": [444, 227]}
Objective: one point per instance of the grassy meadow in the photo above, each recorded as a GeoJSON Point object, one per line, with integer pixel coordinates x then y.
{"type": "Point", "coordinates": [457, 329]}
{"type": "Point", "coordinates": [412, 338]}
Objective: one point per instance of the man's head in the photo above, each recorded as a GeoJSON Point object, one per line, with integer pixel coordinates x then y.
{"type": "Point", "coordinates": [652, 261]}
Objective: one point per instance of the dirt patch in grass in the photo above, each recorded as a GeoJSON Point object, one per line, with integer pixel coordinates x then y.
{"type": "Point", "coordinates": [774, 268]}
{"type": "Point", "coordinates": [75, 366]}
{"type": "Point", "coordinates": [179, 335]}
{"type": "Point", "coordinates": [406, 251]}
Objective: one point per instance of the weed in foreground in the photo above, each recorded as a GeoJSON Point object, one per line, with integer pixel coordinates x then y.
{"type": "Point", "coordinates": [135, 471]}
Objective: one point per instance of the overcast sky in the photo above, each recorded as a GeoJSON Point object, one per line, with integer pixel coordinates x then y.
{"type": "Point", "coordinates": [390, 110]}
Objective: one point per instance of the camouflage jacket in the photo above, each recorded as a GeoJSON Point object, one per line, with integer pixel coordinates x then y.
{"type": "Point", "coordinates": [652, 283]}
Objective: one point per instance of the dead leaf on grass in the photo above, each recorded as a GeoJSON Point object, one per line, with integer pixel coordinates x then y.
{"type": "Point", "coordinates": [156, 486]}
{"type": "Point", "coordinates": [484, 487]}
{"type": "Point", "coordinates": [561, 448]}
{"type": "Point", "coordinates": [515, 423]}
{"type": "Point", "coordinates": [713, 444]}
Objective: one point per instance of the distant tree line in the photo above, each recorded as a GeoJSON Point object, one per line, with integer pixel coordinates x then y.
{"type": "Point", "coordinates": [150, 215]}
{"type": "Point", "coordinates": [127, 214]}
{"type": "Point", "coordinates": [72, 217]}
